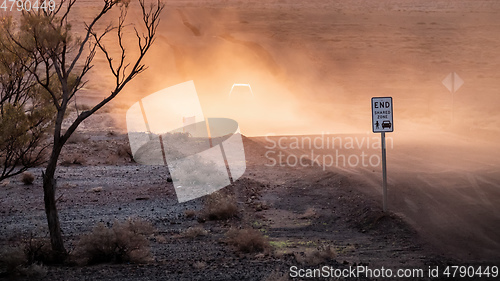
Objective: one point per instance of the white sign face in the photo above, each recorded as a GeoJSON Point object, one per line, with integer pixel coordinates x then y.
{"type": "Point", "coordinates": [453, 82]}
{"type": "Point", "coordinates": [382, 115]}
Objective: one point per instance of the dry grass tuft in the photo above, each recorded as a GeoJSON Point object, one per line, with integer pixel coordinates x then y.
{"type": "Point", "coordinates": [219, 206]}
{"type": "Point", "coordinates": [38, 250]}
{"type": "Point", "coordinates": [73, 160]}
{"type": "Point", "coordinates": [199, 265]}
{"type": "Point", "coordinates": [26, 260]}
{"type": "Point", "coordinates": [123, 242]}
{"type": "Point", "coordinates": [194, 232]}
{"type": "Point", "coordinates": [124, 151]}
{"type": "Point", "coordinates": [11, 259]}
{"type": "Point", "coordinates": [316, 257]}
{"type": "Point", "coordinates": [248, 240]}
{"type": "Point", "coordinates": [96, 189]}
{"type": "Point", "coordinates": [309, 214]}
{"type": "Point", "coordinates": [33, 270]}
{"type": "Point", "coordinates": [190, 214]}
{"type": "Point", "coordinates": [27, 178]}
{"type": "Point", "coordinates": [161, 239]}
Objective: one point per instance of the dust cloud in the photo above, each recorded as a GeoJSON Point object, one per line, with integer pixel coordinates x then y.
{"type": "Point", "coordinates": [313, 67]}
{"type": "Point", "coordinates": [314, 70]}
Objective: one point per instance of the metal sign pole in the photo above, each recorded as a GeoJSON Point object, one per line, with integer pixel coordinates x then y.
{"type": "Point", "coordinates": [384, 171]}
{"type": "Point", "coordinates": [453, 82]}
{"type": "Point", "coordinates": [452, 98]}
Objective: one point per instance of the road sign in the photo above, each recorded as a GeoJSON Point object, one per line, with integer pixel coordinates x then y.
{"type": "Point", "coordinates": [453, 82]}
{"type": "Point", "coordinates": [382, 122]}
{"type": "Point", "coordinates": [382, 115]}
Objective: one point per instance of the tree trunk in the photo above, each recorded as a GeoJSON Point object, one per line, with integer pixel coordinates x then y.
{"type": "Point", "coordinates": [49, 196]}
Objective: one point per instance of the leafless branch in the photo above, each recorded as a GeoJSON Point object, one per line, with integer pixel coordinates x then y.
{"type": "Point", "coordinates": [150, 19]}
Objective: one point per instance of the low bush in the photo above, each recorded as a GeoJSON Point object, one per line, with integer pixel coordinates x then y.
{"type": "Point", "coordinates": [316, 257]}
{"type": "Point", "coordinates": [11, 259]}
{"type": "Point", "coordinates": [190, 214]}
{"type": "Point", "coordinates": [199, 265]}
{"type": "Point", "coordinates": [27, 178]}
{"type": "Point", "coordinates": [123, 242]}
{"type": "Point", "coordinates": [38, 250]}
{"type": "Point", "coordinates": [73, 160]}
{"type": "Point", "coordinates": [26, 259]}
{"type": "Point", "coordinates": [194, 232]}
{"type": "Point", "coordinates": [124, 151]}
{"type": "Point", "coordinates": [219, 206]}
{"type": "Point", "coordinates": [248, 240]}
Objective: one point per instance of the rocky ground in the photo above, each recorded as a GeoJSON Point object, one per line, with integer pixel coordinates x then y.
{"type": "Point", "coordinates": [298, 210]}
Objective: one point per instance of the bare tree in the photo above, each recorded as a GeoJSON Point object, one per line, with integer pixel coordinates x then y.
{"type": "Point", "coordinates": [59, 64]}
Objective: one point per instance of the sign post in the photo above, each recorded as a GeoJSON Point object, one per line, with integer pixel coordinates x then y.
{"type": "Point", "coordinates": [384, 171]}
{"type": "Point", "coordinates": [453, 82]}
{"type": "Point", "coordinates": [382, 122]}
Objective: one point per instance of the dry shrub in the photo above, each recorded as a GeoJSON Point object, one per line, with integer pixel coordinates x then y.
{"type": "Point", "coordinates": [199, 265]}
{"type": "Point", "coordinates": [27, 178]}
{"type": "Point", "coordinates": [194, 232]}
{"type": "Point", "coordinates": [73, 160]}
{"type": "Point", "coordinates": [25, 260]}
{"type": "Point", "coordinates": [33, 270]}
{"type": "Point", "coordinates": [123, 242]}
{"type": "Point", "coordinates": [315, 257]}
{"type": "Point", "coordinates": [248, 240]}
{"type": "Point", "coordinates": [124, 151]}
{"type": "Point", "coordinates": [11, 259]}
{"type": "Point", "coordinates": [111, 160]}
{"type": "Point", "coordinates": [309, 214]}
{"type": "Point", "coordinates": [219, 206]}
{"type": "Point", "coordinates": [38, 250]}
{"type": "Point", "coordinates": [190, 213]}
{"type": "Point", "coordinates": [96, 189]}
{"type": "Point", "coordinates": [161, 239]}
